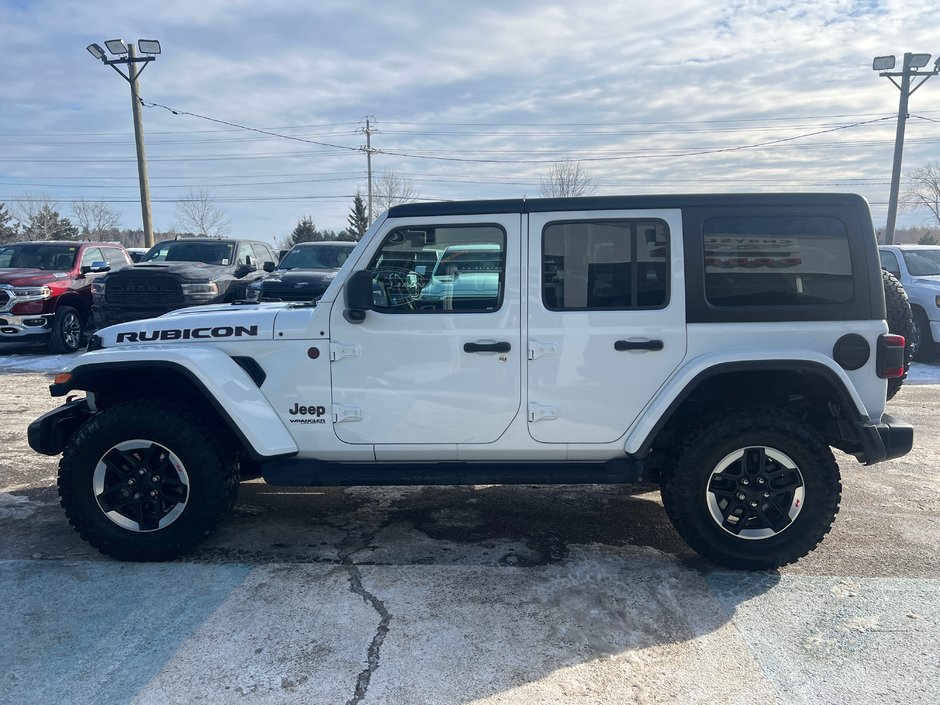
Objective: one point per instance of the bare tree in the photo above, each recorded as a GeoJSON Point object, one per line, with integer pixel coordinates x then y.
{"type": "Point", "coordinates": [922, 190]}
{"type": "Point", "coordinates": [96, 220]}
{"type": "Point", "coordinates": [391, 189]}
{"type": "Point", "coordinates": [37, 217]}
{"type": "Point", "coordinates": [199, 213]}
{"type": "Point", "coordinates": [30, 205]}
{"type": "Point", "coordinates": [567, 179]}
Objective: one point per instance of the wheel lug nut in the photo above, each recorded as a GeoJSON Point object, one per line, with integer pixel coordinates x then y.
{"type": "Point", "coordinates": [766, 494]}
{"type": "Point", "coordinates": [140, 472]}
{"type": "Point", "coordinates": [153, 493]}
{"type": "Point", "coordinates": [760, 481]}
{"type": "Point", "coordinates": [155, 478]}
{"type": "Point", "coordinates": [131, 481]}
{"type": "Point", "coordinates": [742, 496]}
{"type": "Point", "coordinates": [745, 481]}
{"type": "Point", "coordinates": [754, 504]}
{"type": "Point", "coordinates": [137, 495]}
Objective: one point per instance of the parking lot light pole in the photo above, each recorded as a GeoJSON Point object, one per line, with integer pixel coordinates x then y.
{"type": "Point", "coordinates": [126, 54]}
{"type": "Point", "coordinates": [909, 69]}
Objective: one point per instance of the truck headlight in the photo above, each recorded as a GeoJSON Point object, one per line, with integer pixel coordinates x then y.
{"type": "Point", "coordinates": [207, 290]}
{"type": "Point", "coordinates": [32, 293]}
{"type": "Point", "coordinates": [937, 301]}
{"type": "Point", "coordinates": [97, 291]}
{"type": "Point", "coordinates": [253, 293]}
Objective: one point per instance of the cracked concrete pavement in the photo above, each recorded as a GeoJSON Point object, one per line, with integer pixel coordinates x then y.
{"type": "Point", "coordinates": [488, 594]}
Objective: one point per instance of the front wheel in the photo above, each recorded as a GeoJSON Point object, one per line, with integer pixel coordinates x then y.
{"type": "Point", "coordinates": [66, 335]}
{"type": "Point", "coordinates": [145, 480]}
{"type": "Point", "coordinates": [754, 488]}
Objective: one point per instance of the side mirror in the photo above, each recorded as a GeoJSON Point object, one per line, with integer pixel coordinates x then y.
{"type": "Point", "coordinates": [97, 267]}
{"type": "Point", "coordinates": [268, 266]}
{"type": "Point", "coordinates": [243, 269]}
{"type": "Point", "coordinates": [358, 296]}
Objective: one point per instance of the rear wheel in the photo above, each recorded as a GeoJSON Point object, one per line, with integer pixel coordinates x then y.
{"type": "Point", "coordinates": [753, 488]}
{"type": "Point", "coordinates": [145, 480]}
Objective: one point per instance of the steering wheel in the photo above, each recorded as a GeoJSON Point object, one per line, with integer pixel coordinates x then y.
{"type": "Point", "coordinates": [401, 288]}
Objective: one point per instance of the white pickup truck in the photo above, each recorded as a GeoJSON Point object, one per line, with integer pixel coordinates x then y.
{"type": "Point", "coordinates": [719, 345]}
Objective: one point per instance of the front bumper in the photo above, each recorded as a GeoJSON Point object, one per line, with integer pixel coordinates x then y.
{"type": "Point", "coordinates": [884, 440]}
{"type": "Point", "coordinates": [50, 432]}
{"type": "Point", "coordinates": [14, 328]}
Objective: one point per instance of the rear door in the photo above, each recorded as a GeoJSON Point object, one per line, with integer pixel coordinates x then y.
{"type": "Point", "coordinates": [606, 313]}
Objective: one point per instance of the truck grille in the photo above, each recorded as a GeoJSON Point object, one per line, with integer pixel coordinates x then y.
{"type": "Point", "coordinates": [289, 292]}
{"type": "Point", "coordinates": [144, 292]}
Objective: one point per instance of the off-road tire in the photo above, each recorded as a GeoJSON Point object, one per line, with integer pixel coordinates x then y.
{"type": "Point", "coordinates": [66, 334]}
{"type": "Point", "coordinates": [900, 322]}
{"type": "Point", "coordinates": [212, 482]}
{"type": "Point", "coordinates": [685, 487]}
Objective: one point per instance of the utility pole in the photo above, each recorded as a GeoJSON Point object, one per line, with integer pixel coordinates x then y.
{"type": "Point", "coordinates": [909, 69]}
{"type": "Point", "coordinates": [126, 54]}
{"type": "Point", "coordinates": [368, 130]}
{"type": "Point", "coordinates": [142, 175]}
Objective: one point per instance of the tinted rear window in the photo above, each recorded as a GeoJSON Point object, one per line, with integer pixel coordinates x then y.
{"type": "Point", "coordinates": [771, 261]}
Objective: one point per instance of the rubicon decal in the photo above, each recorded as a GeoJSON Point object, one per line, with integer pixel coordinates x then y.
{"type": "Point", "coordinates": [145, 336]}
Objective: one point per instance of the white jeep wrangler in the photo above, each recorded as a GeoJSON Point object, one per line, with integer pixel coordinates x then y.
{"type": "Point", "coordinates": [717, 344]}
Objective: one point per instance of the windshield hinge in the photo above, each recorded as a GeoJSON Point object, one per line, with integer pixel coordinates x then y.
{"type": "Point", "coordinates": [346, 413]}
{"type": "Point", "coordinates": [537, 349]}
{"type": "Point", "coordinates": [537, 412]}
{"type": "Point", "coordinates": [338, 351]}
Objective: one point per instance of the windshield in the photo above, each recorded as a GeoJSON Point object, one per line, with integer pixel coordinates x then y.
{"type": "Point", "coordinates": [189, 251]}
{"type": "Point", "coordinates": [307, 257]}
{"type": "Point", "coordinates": [922, 263]}
{"type": "Point", "coordinates": [57, 258]}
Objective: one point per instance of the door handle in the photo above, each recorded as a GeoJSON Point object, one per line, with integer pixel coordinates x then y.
{"type": "Point", "coordinates": [487, 347]}
{"type": "Point", "coordinates": [622, 345]}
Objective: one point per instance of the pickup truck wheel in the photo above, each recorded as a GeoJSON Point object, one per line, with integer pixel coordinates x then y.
{"type": "Point", "coordinates": [754, 488]}
{"type": "Point", "coordinates": [66, 335]}
{"type": "Point", "coordinates": [145, 481]}
{"type": "Point", "coordinates": [900, 322]}
{"type": "Point", "coordinates": [921, 339]}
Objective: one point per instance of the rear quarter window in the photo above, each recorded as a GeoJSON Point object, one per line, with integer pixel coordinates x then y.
{"type": "Point", "coordinates": [777, 260]}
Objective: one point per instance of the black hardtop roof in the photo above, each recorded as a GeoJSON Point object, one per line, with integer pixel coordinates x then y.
{"type": "Point", "coordinates": [594, 203]}
{"type": "Point", "coordinates": [209, 239]}
{"type": "Point", "coordinates": [330, 243]}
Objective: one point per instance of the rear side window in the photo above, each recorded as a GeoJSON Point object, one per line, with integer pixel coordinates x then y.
{"type": "Point", "coordinates": [889, 261]}
{"type": "Point", "coordinates": [777, 261]}
{"type": "Point", "coordinates": [114, 257]}
{"type": "Point", "coordinates": [605, 265]}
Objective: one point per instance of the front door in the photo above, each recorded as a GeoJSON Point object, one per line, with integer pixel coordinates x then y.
{"type": "Point", "coordinates": [438, 359]}
{"type": "Point", "coordinates": [606, 320]}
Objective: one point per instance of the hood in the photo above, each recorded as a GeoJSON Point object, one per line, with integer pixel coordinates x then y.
{"type": "Point", "coordinates": [202, 324]}
{"type": "Point", "coordinates": [196, 271]}
{"type": "Point", "coordinates": [30, 277]}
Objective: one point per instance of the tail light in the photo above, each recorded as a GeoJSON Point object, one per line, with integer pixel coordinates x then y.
{"type": "Point", "coordinates": [890, 359]}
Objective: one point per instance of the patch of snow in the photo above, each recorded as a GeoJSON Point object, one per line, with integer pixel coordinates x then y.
{"type": "Point", "coordinates": [924, 373]}
{"type": "Point", "coordinates": [14, 506]}
{"type": "Point", "coordinates": [26, 362]}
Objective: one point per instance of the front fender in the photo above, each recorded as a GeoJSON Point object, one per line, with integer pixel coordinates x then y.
{"type": "Point", "coordinates": [223, 383]}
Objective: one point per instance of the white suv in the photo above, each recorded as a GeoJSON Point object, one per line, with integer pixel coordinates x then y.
{"type": "Point", "coordinates": [917, 267]}
{"type": "Point", "coordinates": [720, 345]}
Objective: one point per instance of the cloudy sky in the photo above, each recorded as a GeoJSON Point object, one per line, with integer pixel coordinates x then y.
{"type": "Point", "coordinates": [469, 99]}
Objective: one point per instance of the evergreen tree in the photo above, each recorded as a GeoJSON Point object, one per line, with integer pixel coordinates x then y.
{"type": "Point", "coordinates": [928, 239]}
{"type": "Point", "coordinates": [305, 231]}
{"type": "Point", "coordinates": [47, 224]}
{"type": "Point", "coordinates": [358, 219]}
{"type": "Point", "coordinates": [8, 229]}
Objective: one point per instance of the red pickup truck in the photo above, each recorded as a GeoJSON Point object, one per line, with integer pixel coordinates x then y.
{"type": "Point", "coordinates": [45, 289]}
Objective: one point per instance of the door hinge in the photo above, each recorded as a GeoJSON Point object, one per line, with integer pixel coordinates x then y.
{"type": "Point", "coordinates": [346, 413]}
{"type": "Point", "coordinates": [338, 351]}
{"type": "Point", "coordinates": [537, 412]}
{"type": "Point", "coordinates": [537, 349]}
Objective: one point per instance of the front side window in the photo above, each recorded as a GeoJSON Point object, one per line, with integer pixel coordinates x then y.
{"type": "Point", "coordinates": [440, 268]}
{"type": "Point", "coordinates": [92, 255]}
{"type": "Point", "coordinates": [777, 260]}
{"type": "Point", "coordinates": [612, 265]}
